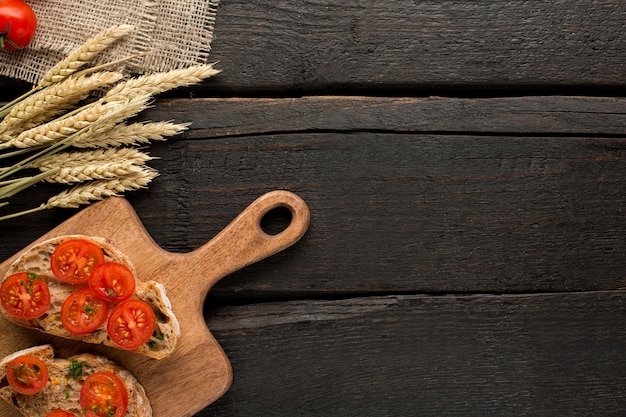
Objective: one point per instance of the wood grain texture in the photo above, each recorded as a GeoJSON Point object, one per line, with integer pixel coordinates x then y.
{"type": "Point", "coordinates": [478, 355]}
{"type": "Point", "coordinates": [414, 213]}
{"type": "Point", "coordinates": [187, 279]}
{"type": "Point", "coordinates": [315, 45]}
{"type": "Point", "coordinates": [292, 47]}
{"type": "Point", "coordinates": [463, 162]}
{"type": "Point", "coordinates": [542, 115]}
{"type": "Point", "coordinates": [532, 202]}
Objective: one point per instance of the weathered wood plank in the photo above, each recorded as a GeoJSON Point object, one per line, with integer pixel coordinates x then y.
{"type": "Point", "coordinates": [543, 115]}
{"type": "Point", "coordinates": [539, 355]}
{"type": "Point", "coordinates": [395, 210]}
{"type": "Point", "coordinates": [404, 46]}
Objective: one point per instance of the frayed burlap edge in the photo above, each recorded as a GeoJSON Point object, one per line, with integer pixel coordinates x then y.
{"type": "Point", "coordinates": [174, 33]}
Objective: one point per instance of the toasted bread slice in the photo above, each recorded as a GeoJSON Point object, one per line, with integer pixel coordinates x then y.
{"type": "Point", "coordinates": [63, 391]}
{"type": "Point", "coordinates": [37, 261]}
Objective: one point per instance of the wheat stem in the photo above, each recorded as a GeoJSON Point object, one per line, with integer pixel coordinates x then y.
{"type": "Point", "coordinates": [20, 213]}
{"type": "Point", "coordinates": [17, 185]}
{"type": "Point", "coordinates": [18, 152]}
{"type": "Point", "coordinates": [101, 67]}
{"type": "Point", "coordinates": [91, 191]}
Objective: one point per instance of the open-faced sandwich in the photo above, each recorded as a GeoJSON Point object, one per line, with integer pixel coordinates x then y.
{"type": "Point", "coordinates": [84, 288]}
{"type": "Point", "coordinates": [40, 385]}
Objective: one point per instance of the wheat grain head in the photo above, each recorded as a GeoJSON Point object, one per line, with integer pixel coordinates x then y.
{"type": "Point", "coordinates": [85, 53]}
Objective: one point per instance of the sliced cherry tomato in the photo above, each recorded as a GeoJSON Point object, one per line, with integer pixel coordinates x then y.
{"type": "Point", "coordinates": [103, 394]}
{"type": "Point", "coordinates": [131, 324]}
{"type": "Point", "coordinates": [60, 413]}
{"type": "Point", "coordinates": [73, 260]}
{"type": "Point", "coordinates": [83, 312]}
{"type": "Point", "coordinates": [24, 295]}
{"type": "Point", "coordinates": [112, 281]}
{"type": "Point", "coordinates": [27, 375]}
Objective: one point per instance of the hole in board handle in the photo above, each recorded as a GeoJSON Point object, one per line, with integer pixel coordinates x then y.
{"type": "Point", "coordinates": [276, 220]}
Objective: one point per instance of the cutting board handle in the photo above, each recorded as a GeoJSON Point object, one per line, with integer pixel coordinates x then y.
{"type": "Point", "coordinates": [244, 242]}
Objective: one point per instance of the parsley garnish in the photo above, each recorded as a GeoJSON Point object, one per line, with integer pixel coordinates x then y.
{"type": "Point", "coordinates": [76, 368]}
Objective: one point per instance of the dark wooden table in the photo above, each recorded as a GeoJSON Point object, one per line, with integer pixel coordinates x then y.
{"type": "Point", "coordinates": [465, 167]}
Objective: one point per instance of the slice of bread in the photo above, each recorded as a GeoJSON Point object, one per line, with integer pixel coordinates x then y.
{"type": "Point", "coordinates": [37, 261]}
{"type": "Point", "coordinates": [63, 391]}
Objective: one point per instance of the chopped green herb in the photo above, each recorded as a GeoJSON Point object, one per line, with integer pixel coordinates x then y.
{"type": "Point", "coordinates": [76, 368]}
{"type": "Point", "coordinates": [32, 277]}
{"type": "Point", "coordinates": [158, 335]}
{"type": "Point", "coordinates": [87, 309]}
{"type": "Point", "coordinates": [21, 373]}
{"type": "Point", "coordinates": [111, 292]}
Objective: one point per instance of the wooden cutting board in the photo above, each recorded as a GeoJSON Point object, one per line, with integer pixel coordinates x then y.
{"type": "Point", "coordinates": [198, 372]}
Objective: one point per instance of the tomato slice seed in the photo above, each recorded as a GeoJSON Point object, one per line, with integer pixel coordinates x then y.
{"type": "Point", "coordinates": [131, 324]}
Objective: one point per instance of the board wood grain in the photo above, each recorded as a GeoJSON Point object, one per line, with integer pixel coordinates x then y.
{"type": "Point", "coordinates": [198, 372]}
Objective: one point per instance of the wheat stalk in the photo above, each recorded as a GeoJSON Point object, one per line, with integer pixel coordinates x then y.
{"type": "Point", "coordinates": [160, 82]}
{"type": "Point", "coordinates": [63, 127]}
{"type": "Point", "coordinates": [74, 159]}
{"type": "Point", "coordinates": [85, 53]}
{"type": "Point", "coordinates": [39, 127]}
{"type": "Point", "coordinates": [133, 134]}
{"type": "Point", "coordinates": [53, 100]}
{"type": "Point", "coordinates": [74, 167]}
{"type": "Point", "coordinates": [100, 189]}
{"type": "Point", "coordinates": [91, 172]}
{"type": "Point", "coordinates": [92, 191]}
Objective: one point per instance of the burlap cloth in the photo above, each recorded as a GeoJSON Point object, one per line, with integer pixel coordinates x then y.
{"type": "Point", "coordinates": [177, 33]}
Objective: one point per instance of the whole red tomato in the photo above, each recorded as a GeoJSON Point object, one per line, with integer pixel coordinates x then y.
{"type": "Point", "coordinates": [17, 24]}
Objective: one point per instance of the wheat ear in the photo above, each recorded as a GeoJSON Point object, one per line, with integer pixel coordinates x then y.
{"type": "Point", "coordinates": [85, 53]}
{"type": "Point", "coordinates": [100, 189]}
{"type": "Point", "coordinates": [160, 82]}
{"type": "Point", "coordinates": [133, 134]}
{"type": "Point", "coordinates": [74, 167]}
{"type": "Point", "coordinates": [92, 191]}
{"type": "Point", "coordinates": [63, 127]}
{"type": "Point", "coordinates": [78, 158]}
{"type": "Point", "coordinates": [53, 100]}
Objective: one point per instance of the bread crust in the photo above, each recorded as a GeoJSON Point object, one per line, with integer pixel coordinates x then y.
{"type": "Point", "coordinates": [37, 260]}
{"type": "Point", "coordinates": [63, 391]}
